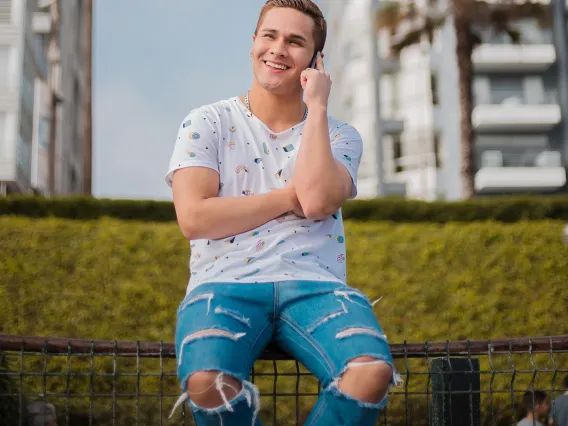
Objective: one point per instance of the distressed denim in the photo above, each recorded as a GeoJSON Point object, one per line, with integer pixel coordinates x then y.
{"type": "Point", "coordinates": [224, 327]}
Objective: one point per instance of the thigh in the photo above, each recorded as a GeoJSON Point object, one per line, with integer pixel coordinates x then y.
{"type": "Point", "coordinates": [223, 327]}
{"type": "Point", "coordinates": [327, 325]}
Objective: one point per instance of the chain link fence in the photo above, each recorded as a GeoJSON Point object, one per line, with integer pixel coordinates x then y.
{"type": "Point", "coordinates": [134, 383]}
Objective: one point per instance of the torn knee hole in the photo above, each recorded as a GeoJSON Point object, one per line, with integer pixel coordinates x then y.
{"type": "Point", "coordinates": [366, 379]}
{"type": "Point", "coordinates": [211, 389]}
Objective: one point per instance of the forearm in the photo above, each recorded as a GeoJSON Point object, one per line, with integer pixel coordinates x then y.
{"type": "Point", "coordinates": [315, 175]}
{"type": "Point", "coordinates": [220, 217]}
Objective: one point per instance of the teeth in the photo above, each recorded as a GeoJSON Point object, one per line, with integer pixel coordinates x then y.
{"type": "Point", "coordinates": [273, 65]}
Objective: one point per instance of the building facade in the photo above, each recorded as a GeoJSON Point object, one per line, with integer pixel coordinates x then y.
{"type": "Point", "coordinates": [25, 101]}
{"type": "Point", "coordinates": [519, 115]}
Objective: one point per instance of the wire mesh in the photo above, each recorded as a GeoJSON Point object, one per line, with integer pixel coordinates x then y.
{"type": "Point", "coordinates": [134, 383]}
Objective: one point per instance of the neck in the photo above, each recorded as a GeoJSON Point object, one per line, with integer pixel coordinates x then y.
{"type": "Point", "coordinates": [278, 112]}
{"type": "Point", "coordinates": [530, 415]}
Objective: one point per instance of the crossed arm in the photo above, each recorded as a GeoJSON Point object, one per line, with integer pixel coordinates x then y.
{"type": "Point", "coordinates": [321, 185]}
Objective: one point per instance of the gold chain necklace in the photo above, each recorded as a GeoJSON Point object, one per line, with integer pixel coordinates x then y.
{"type": "Point", "coordinates": [247, 104]}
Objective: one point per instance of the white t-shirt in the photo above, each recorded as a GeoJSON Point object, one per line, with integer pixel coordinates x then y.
{"type": "Point", "coordinates": [529, 422]}
{"type": "Point", "coordinates": [251, 159]}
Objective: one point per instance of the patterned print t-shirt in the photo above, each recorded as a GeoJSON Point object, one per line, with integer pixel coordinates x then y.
{"type": "Point", "coordinates": [251, 159]}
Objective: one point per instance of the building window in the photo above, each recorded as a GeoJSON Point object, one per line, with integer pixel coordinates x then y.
{"type": "Point", "coordinates": [434, 88]}
{"type": "Point", "coordinates": [73, 181]}
{"type": "Point", "coordinates": [2, 133]}
{"type": "Point", "coordinates": [77, 142]}
{"type": "Point", "coordinates": [397, 153]}
{"type": "Point", "coordinates": [5, 11]}
{"type": "Point", "coordinates": [438, 149]}
{"type": "Point", "coordinates": [4, 66]}
{"type": "Point", "coordinates": [507, 90]}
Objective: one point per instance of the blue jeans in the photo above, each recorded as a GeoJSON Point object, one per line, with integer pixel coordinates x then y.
{"type": "Point", "coordinates": [224, 327]}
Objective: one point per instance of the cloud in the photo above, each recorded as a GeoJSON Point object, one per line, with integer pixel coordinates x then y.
{"type": "Point", "coordinates": [133, 140]}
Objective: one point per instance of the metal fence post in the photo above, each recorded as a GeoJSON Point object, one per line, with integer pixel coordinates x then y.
{"type": "Point", "coordinates": [455, 392]}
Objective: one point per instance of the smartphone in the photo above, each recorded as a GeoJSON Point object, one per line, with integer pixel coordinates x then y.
{"type": "Point", "coordinates": [314, 60]}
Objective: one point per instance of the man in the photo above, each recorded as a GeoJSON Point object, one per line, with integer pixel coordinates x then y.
{"type": "Point", "coordinates": [258, 182]}
{"type": "Point", "coordinates": [559, 412]}
{"type": "Point", "coordinates": [41, 413]}
{"type": "Point", "coordinates": [536, 406]}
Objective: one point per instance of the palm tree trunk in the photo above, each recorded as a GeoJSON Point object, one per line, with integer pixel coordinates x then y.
{"type": "Point", "coordinates": [464, 49]}
{"type": "Point", "coordinates": [88, 122]}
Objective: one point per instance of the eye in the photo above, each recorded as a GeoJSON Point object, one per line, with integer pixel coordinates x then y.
{"type": "Point", "coordinates": [268, 35]}
{"type": "Point", "coordinates": [297, 43]}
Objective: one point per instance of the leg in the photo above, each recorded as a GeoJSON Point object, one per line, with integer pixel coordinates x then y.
{"type": "Point", "coordinates": [221, 330]}
{"type": "Point", "coordinates": [332, 330]}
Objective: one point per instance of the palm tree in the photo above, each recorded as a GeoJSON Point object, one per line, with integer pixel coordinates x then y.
{"type": "Point", "coordinates": [87, 103]}
{"type": "Point", "coordinates": [468, 17]}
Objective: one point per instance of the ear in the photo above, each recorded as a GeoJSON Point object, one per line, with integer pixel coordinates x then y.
{"type": "Point", "coordinates": [253, 37]}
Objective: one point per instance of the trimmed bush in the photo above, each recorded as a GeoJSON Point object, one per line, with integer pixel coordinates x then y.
{"type": "Point", "coordinates": [502, 209]}
{"type": "Point", "coordinates": [112, 279]}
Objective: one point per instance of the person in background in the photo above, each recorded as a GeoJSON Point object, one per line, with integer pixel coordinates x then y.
{"type": "Point", "coordinates": [41, 413]}
{"type": "Point", "coordinates": [536, 406]}
{"type": "Point", "coordinates": [559, 412]}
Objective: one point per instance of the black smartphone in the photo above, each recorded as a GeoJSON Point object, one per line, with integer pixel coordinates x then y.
{"type": "Point", "coordinates": [314, 60]}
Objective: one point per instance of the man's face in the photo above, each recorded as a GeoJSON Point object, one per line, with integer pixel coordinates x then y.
{"type": "Point", "coordinates": [542, 409]}
{"type": "Point", "coordinates": [282, 48]}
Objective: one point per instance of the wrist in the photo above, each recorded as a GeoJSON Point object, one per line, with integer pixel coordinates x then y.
{"type": "Point", "coordinates": [317, 108]}
{"type": "Point", "coordinates": [286, 198]}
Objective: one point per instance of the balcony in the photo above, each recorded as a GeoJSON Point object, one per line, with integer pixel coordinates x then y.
{"type": "Point", "coordinates": [527, 171]}
{"type": "Point", "coordinates": [515, 116]}
{"type": "Point", "coordinates": [511, 57]}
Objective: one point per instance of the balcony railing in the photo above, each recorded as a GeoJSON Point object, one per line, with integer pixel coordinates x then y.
{"type": "Point", "coordinates": [527, 158]}
{"type": "Point", "coordinates": [524, 57]}
{"type": "Point", "coordinates": [520, 171]}
{"type": "Point", "coordinates": [134, 383]}
{"type": "Point", "coordinates": [515, 116]}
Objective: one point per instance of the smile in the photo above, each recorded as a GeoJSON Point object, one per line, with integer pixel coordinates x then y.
{"type": "Point", "coordinates": [276, 66]}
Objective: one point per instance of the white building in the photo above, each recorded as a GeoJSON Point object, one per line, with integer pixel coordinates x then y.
{"type": "Point", "coordinates": [25, 112]}
{"type": "Point", "coordinates": [521, 142]}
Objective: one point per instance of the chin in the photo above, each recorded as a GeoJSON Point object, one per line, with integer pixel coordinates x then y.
{"type": "Point", "coordinates": [278, 87]}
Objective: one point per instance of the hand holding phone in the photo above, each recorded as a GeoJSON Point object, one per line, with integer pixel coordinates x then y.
{"type": "Point", "coordinates": [314, 60]}
{"type": "Point", "coordinates": [316, 83]}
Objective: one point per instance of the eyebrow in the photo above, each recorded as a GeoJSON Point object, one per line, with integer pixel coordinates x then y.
{"type": "Point", "coordinates": [297, 36]}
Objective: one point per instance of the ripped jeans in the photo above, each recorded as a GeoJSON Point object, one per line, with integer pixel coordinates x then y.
{"type": "Point", "coordinates": [224, 327]}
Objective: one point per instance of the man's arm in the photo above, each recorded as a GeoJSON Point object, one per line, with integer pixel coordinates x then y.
{"type": "Point", "coordinates": [201, 214]}
{"type": "Point", "coordinates": [322, 183]}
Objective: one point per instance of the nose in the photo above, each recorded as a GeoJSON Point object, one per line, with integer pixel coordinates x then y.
{"type": "Point", "coordinates": [278, 48]}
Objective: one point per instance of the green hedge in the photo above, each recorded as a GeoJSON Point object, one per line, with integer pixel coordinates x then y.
{"type": "Point", "coordinates": [113, 279]}
{"type": "Point", "coordinates": [100, 278]}
{"type": "Point", "coordinates": [503, 209]}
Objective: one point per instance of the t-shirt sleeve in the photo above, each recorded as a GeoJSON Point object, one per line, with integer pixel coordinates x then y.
{"type": "Point", "coordinates": [196, 144]}
{"type": "Point", "coordinates": [347, 148]}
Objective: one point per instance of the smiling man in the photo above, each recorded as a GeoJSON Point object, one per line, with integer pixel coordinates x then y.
{"type": "Point", "coordinates": [258, 183]}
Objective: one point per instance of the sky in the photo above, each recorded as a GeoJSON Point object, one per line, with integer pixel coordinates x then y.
{"type": "Point", "coordinates": [154, 61]}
